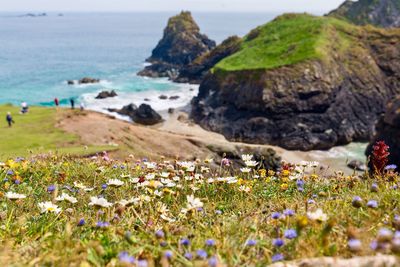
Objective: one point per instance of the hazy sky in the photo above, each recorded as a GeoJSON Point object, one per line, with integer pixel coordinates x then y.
{"type": "Point", "coordinates": [319, 6]}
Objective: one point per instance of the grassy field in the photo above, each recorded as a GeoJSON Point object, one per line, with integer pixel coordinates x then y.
{"type": "Point", "coordinates": [35, 132]}
{"type": "Point", "coordinates": [289, 39]}
{"type": "Point", "coordinates": [58, 211]}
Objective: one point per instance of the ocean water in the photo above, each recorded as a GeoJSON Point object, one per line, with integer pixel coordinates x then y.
{"type": "Point", "coordinates": [38, 55]}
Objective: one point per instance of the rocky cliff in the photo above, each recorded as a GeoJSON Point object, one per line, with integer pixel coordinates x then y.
{"type": "Point", "coordinates": [197, 70]}
{"type": "Point", "coordinates": [181, 44]}
{"type": "Point", "coordinates": [388, 130]}
{"type": "Point", "coordinates": [383, 13]}
{"type": "Point", "coordinates": [302, 82]}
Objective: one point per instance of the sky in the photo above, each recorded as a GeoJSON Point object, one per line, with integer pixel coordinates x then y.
{"type": "Point", "coordinates": [318, 6]}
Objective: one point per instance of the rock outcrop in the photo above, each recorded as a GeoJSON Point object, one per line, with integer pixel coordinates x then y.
{"type": "Point", "coordinates": [181, 44]}
{"type": "Point", "coordinates": [388, 130]}
{"type": "Point", "coordinates": [383, 13]}
{"type": "Point", "coordinates": [106, 94]}
{"type": "Point", "coordinates": [145, 114]}
{"type": "Point", "coordinates": [85, 80]}
{"type": "Point", "coordinates": [197, 70]}
{"type": "Point", "coordinates": [302, 82]}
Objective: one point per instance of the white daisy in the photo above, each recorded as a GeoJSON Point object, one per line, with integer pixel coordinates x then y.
{"type": "Point", "coordinates": [115, 182]}
{"type": "Point", "coordinates": [48, 207]}
{"type": "Point", "coordinates": [99, 202]}
{"type": "Point", "coordinates": [14, 196]}
{"type": "Point", "coordinates": [67, 197]}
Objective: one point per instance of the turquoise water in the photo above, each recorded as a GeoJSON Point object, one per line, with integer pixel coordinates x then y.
{"type": "Point", "coordinates": [38, 55]}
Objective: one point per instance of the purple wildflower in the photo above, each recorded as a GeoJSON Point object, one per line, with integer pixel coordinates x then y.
{"type": "Point", "coordinates": [213, 261]}
{"type": "Point", "coordinates": [103, 186]}
{"type": "Point", "coordinates": [17, 181]}
{"type": "Point", "coordinates": [188, 256]}
{"type": "Point", "coordinates": [276, 215]}
{"type": "Point", "coordinates": [81, 222]}
{"type": "Point", "coordinates": [251, 242]}
{"type": "Point", "coordinates": [277, 257]}
{"type": "Point", "coordinates": [278, 242]}
{"type": "Point", "coordinates": [210, 242]}
{"type": "Point", "coordinates": [160, 234]}
{"type": "Point", "coordinates": [125, 258]}
{"type": "Point", "coordinates": [311, 201]}
{"type": "Point", "coordinates": [290, 234]}
{"type": "Point", "coordinates": [374, 187]}
{"type": "Point", "coordinates": [391, 167]}
{"type": "Point", "coordinates": [168, 254]}
{"type": "Point", "coordinates": [354, 244]}
{"type": "Point", "coordinates": [51, 188]}
{"type": "Point", "coordinates": [142, 263]}
{"type": "Point", "coordinates": [218, 212]}
{"type": "Point", "coordinates": [101, 224]}
{"type": "Point", "coordinates": [185, 242]}
{"type": "Point", "coordinates": [288, 212]}
{"type": "Point", "coordinates": [372, 204]}
{"type": "Point", "coordinates": [201, 253]}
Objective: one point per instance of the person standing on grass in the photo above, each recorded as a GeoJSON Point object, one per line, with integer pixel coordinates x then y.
{"type": "Point", "coordinates": [9, 119]}
{"type": "Point", "coordinates": [72, 103]}
{"type": "Point", "coordinates": [56, 102]}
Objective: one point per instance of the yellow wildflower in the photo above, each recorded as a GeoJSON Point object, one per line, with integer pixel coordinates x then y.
{"type": "Point", "coordinates": [285, 173]}
{"type": "Point", "coordinates": [284, 186]}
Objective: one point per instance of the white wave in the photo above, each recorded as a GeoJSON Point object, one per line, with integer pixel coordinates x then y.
{"type": "Point", "coordinates": [125, 98]}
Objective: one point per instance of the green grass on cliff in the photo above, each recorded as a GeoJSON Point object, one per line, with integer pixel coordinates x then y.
{"type": "Point", "coordinates": [289, 39]}
{"type": "Point", "coordinates": [36, 132]}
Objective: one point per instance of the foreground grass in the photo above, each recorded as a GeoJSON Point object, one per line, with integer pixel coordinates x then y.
{"type": "Point", "coordinates": [36, 132]}
{"type": "Point", "coordinates": [138, 213]}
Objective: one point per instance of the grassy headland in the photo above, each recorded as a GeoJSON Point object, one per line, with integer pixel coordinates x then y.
{"type": "Point", "coordinates": [287, 40]}
{"type": "Point", "coordinates": [36, 132]}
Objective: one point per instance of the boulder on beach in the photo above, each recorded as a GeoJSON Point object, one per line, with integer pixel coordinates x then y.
{"type": "Point", "coordinates": [106, 94]}
{"type": "Point", "coordinates": [144, 114]}
{"type": "Point", "coordinates": [181, 44]}
{"type": "Point", "coordinates": [357, 165]}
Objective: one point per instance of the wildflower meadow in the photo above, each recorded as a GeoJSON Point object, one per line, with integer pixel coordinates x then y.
{"type": "Point", "coordinates": [62, 211]}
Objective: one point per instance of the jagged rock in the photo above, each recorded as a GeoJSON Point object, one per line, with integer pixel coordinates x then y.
{"type": "Point", "coordinates": [163, 97]}
{"type": "Point", "coordinates": [70, 82]}
{"type": "Point", "coordinates": [383, 13]}
{"type": "Point", "coordinates": [171, 110]}
{"type": "Point", "coordinates": [388, 130]}
{"type": "Point", "coordinates": [106, 94]}
{"type": "Point", "coordinates": [196, 71]}
{"type": "Point", "coordinates": [87, 80]}
{"type": "Point", "coordinates": [146, 99]}
{"type": "Point", "coordinates": [357, 165]}
{"type": "Point", "coordinates": [174, 97]}
{"type": "Point", "coordinates": [142, 115]}
{"type": "Point", "coordinates": [304, 104]}
{"type": "Point", "coordinates": [182, 43]}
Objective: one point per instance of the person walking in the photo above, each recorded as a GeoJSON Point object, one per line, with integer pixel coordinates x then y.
{"type": "Point", "coordinates": [9, 119]}
{"type": "Point", "coordinates": [82, 106]}
{"type": "Point", "coordinates": [56, 102]}
{"type": "Point", "coordinates": [24, 107]}
{"type": "Point", "coordinates": [72, 103]}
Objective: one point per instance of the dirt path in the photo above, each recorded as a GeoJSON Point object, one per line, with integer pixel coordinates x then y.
{"type": "Point", "coordinates": [175, 138]}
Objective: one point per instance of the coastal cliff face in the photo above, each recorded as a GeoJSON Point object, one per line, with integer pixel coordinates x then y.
{"type": "Point", "coordinates": [302, 82]}
{"type": "Point", "coordinates": [383, 13]}
{"type": "Point", "coordinates": [388, 130]}
{"type": "Point", "coordinates": [197, 70]}
{"type": "Point", "coordinates": [181, 44]}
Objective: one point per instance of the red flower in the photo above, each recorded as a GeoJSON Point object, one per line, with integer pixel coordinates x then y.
{"type": "Point", "coordinates": [380, 156]}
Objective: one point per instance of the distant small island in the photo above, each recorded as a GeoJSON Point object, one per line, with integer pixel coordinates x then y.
{"type": "Point", "coordinates": [32, 15]}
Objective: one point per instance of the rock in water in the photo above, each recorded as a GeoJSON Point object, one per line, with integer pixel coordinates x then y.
{"type": "Point", "coordinates": [88, 80]}
{"type": "Point", "coordinates": [181, 44]}
{"type": "Point", "coordinates": [106, 94]}
{"type": "Point", "coordinates": [297, 96]}
{"type": "Point", "coordinates": [143, 115]}
{"type": "Point", "coordinates": [388, 130]}
{"type": "Point", "coordinates": [383, 13]}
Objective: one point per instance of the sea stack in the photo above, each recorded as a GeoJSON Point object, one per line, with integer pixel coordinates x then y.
{"type": "Point", "coordinates": [180, 45]}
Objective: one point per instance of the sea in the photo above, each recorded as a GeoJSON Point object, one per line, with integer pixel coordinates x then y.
{"type": "Point", "coordinates": [38, 55]}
